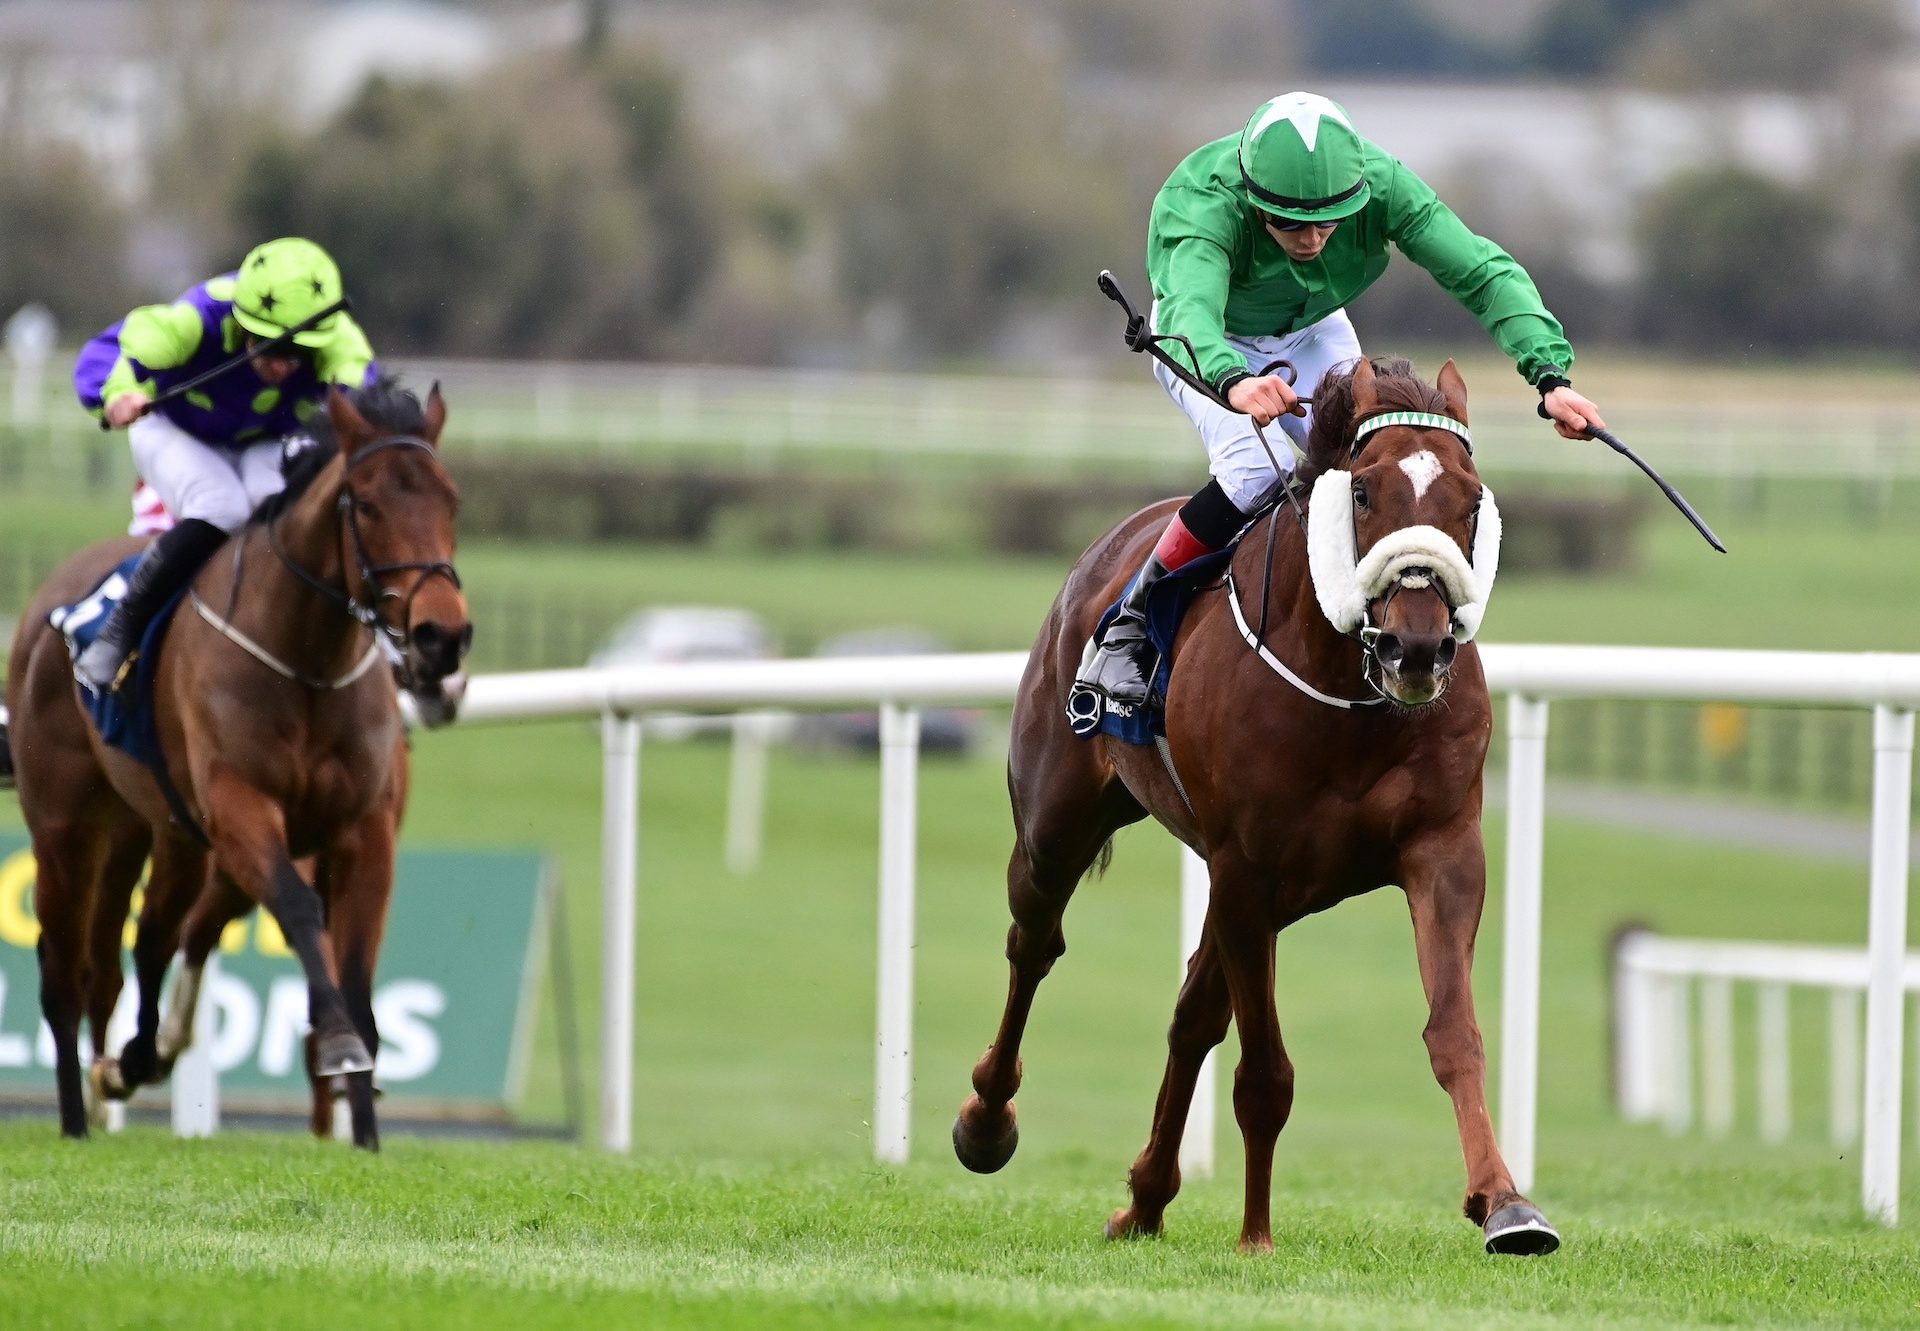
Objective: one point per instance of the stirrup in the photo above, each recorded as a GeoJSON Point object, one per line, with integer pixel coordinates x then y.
{"type": "Point", "coordinates": [1085, 706]}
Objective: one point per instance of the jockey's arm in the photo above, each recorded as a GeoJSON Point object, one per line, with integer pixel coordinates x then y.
{"type": "Point", "coordinates": [1496, 290]}
{"type": "Point", "coordinates": [347, 358]}
{"type": "Point", "coordinates": [152, 337]}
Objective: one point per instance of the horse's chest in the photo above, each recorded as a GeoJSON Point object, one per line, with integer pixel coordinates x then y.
{"type": "Point", "coordinates": [338, 786]}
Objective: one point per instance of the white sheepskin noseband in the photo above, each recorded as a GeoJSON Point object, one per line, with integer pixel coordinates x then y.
{"type": "Point", "coordinates": [1345, 583]}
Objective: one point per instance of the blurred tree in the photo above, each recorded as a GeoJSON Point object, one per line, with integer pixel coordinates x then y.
{"type": "Point", "coordinates": [1734, 260]}
{"type": "Point", "coordinates": [547, 209]}
{"type": "Point", "coordinates": [971, 186]}
{"type": "Point", "coordinates": [1745, 44]}
{"type": "Point", "coordinates": [1392, 36]}
{"type": "Point", "coordinates": [1585, 39]}
{"type": "Point", "coordinates": [62, 239]}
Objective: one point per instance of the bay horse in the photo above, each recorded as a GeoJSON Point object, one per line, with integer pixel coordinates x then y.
{"type": "Point", "coordinates": [1295, 801]}
{"type": "Point", "coordinates": [277, 734]}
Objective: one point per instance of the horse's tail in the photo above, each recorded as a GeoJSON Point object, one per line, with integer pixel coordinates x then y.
{"type": "Point", "coordinates": [1103, 861]}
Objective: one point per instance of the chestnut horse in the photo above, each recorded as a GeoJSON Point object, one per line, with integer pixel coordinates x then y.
{"type": "Point", "coordinates": [1295, 801]}
{"type": "Point", "coordinates": [277, 734]}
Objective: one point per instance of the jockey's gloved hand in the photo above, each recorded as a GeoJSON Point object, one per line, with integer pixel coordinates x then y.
{"type": "Point", "coordinates": [1572, 414]}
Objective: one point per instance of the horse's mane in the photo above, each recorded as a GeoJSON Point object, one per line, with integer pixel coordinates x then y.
{"type": "Point", "coordinates": [385, 405]}
{"type": "Point", "coordinates": [1397, 387]}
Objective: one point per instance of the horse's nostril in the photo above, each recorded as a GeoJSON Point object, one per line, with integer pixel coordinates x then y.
{"type": "Point", "coordinates": [1448, 649]}
{"type": "Point", "coordinates": [1389, 649]}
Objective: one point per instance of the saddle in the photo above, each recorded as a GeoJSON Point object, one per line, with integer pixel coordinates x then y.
{"type": "Point", "coordinates": [1167, 604]}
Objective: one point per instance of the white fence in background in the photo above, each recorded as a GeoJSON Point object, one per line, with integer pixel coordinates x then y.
{"type": "Point", "coordinates": [1656, 980]}
{"type": "Point", "coordinates": [721, 411]}
{"type": "Point", "coordinates": [1530, 675]}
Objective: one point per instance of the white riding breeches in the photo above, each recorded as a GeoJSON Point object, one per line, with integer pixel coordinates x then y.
{"type": "Point", "coordinates": [196, 480]}
{"type": "Point", "coordinates": [1234, 452]}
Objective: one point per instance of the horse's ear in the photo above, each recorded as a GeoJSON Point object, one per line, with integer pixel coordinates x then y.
{"type": "Point", "coordinates": [349, 426]}
{"type": "Point", "coordinates": [436, 419]}
{"type": "Point", "coordinates": [1365, 398]}
{"type": "Point", "coordinates": [1453, 391]}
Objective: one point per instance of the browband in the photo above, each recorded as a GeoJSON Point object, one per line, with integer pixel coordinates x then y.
{"type": "Point", "coordinates": [1426, 420]}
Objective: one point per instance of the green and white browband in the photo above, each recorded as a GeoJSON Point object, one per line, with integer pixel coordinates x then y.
{"type": "Point", "coordinates": [1425, 420]}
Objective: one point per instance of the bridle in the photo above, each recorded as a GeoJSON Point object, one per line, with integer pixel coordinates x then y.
{"type": "Point", "coordinates": [1367, 633]}
{"type": "Point", "coordinates": [392, 636]}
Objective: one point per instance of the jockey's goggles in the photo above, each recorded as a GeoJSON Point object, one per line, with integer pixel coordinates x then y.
{"type": "Point", "coordinates": [1279, 223]}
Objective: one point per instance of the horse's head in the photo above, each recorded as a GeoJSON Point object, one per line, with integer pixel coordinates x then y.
{"type": "Point", "coordinates": [1403, 540]}
{"type": "Point", "coordinates": [398, 508]}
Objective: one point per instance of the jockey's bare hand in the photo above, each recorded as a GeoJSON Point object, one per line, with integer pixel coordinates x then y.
{"type": "Point", "coordinates": [127, 408]}
{"type": "Point", "coordinates": [1570, 413]}
{"type": "Point", "coordinates": [1265, 398]}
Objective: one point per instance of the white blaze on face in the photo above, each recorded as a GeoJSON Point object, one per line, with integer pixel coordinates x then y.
{"type": "Point", "coordinates": [1423, 468]}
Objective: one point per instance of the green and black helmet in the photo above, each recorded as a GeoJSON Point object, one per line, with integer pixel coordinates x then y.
{"type": "Point", "coordinates": [284, 284]}
{"type": "Point", "coordinates": [1300, 159]}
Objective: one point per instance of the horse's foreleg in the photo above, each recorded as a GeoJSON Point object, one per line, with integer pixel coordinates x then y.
{"type": "Point", "coordinates": [1200, 1017]}
{"type": "Point", "coordinates": [1446, 886]}
{"type": "Point", "coordinates": [359, 874]}
{"type": "Point", "coordinates": [179, 870]}
{"type": "Point", "coordinates": [250, 848]}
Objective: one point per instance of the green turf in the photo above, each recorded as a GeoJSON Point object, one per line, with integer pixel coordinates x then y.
{"type": "Point", "coordinates": [249, 1232]}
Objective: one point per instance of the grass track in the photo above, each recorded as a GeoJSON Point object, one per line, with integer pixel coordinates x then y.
{"type": "Point", "coordinates": [251, 1232]}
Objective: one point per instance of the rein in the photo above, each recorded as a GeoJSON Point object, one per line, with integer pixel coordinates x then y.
{"type": "Point", "coordinates": [389, 639]}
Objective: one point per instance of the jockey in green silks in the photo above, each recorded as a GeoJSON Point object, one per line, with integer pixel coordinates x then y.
{"type": "Point", "coordinates": [1257, 244]}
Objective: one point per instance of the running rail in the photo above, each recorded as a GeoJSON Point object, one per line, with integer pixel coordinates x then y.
{"type": "Point", "coordinates": [1531, 676]}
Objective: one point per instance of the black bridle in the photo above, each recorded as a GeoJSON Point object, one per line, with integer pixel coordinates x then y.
{"type": "Point", "coordinates": [367, 612]}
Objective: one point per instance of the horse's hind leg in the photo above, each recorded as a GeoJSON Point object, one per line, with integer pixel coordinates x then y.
{"type": "Point", "coordinates": [1200, 1017]}
{"type": "Point", "coordinates": [61, 900]}
{"type": "Point", "coordinates": [1065, 810]}
{"type": "Point", "coordinates": [126, 843]}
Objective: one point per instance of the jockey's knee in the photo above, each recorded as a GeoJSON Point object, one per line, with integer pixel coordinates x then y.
{"type": "Point", "coordinates": [228, 512]}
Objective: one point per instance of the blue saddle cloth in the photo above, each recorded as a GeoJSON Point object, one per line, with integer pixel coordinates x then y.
{"type": "Point", "coordinates": [124, 717]}
{"type": "Point", "coordinates": [1167, 605]}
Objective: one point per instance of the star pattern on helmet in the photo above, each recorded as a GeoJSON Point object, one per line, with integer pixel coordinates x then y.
{"type": "Point", "coordinates": [267, 302]}
{"type": "Point", "coordinates": [319, 287]}
{"type": "Point", "coordinates": [1304, 109]}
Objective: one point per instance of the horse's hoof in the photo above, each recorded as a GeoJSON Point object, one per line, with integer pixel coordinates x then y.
{"type": "Point", "coordinates": [1124, 1224]}
{"type": "Point", "coordinates": [108, 1084]}
{"type": "Point", "coordinates": [985, 1157]}
{"type": "Point", "coordinates": [1519, 1230]}
{"type": "Point", "coordinates": [339, 1054]}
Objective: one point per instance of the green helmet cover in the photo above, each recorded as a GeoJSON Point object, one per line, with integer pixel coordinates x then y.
{"type": "Point", "coordinates": [1301, 159]}
{"type": "Point", "coordinates": [284, 283]}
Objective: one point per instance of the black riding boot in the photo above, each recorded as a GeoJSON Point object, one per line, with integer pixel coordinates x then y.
{"type": "Point", "coordinates": [173, 558]}
{"type": "Point", "coordinates": [1121, 665]}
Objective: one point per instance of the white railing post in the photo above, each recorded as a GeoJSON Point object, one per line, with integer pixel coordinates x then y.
{"type": "Point", "coordinates": [747, 790]}
{"type": "Point", "coordinates": [195, 1084]}
{"type": "Point", "coordinates": [1886, 948]}
{"type": "Point", "coordinates": [1843, 1070]}
{"type": "Point", "coordinates": [1197, 1142]}
{"type": "Point", "coordinates": [1679, 1097]}
{"type": "Point", "coordinates": [1716, 1055]}
{"type": "Point", "coordinates": [893, 1060]}
{"type": "Point", "coordinates": [1520, 993]}
{"type": "Point", "coordinates": [1775, 1047]}
{"type": "Point", "coordinates": [619, 890]}
{"type": "Point", "coordinates": [1636, 1066]}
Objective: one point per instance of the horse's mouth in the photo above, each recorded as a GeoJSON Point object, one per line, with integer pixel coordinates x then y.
{"type": "Point", "coordinates": [437, 701]}
{"type": "Point", "coordinates": [1414, 690]}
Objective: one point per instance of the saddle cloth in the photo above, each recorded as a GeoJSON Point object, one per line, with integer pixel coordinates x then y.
{"type": "Point", "coordinates": [1167, 604]}
{"type": "Point", "coordinates": [123, 716]}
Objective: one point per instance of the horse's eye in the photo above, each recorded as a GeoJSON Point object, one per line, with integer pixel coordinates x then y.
{"type": "Point", "coordinates": [369, 511]}
{"type": "Point", "coordinates": [1360, 497]}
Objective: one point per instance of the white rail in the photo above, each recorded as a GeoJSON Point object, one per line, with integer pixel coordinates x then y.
{"type": "Point", "coordinates": [1530, 675]}
{"type": "Point", "coordinates": [1654, 978]}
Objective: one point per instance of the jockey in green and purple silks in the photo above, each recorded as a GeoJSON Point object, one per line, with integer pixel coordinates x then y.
{"type": "Point", "coordinates": [213, 454]}
{"type": "Point", "coordinates": [1257, 244]}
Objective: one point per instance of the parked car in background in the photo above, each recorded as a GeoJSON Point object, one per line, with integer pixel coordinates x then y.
{"type": "Point", "coordinates": [665, 634]}
{"type": "Point", "coordinates": [952, 730]}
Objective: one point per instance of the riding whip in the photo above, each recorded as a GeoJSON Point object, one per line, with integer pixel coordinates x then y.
{"type": "Point", "coordinates": [1679, 500]}
{"type": "Point", "coordinates": [245, 354]}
